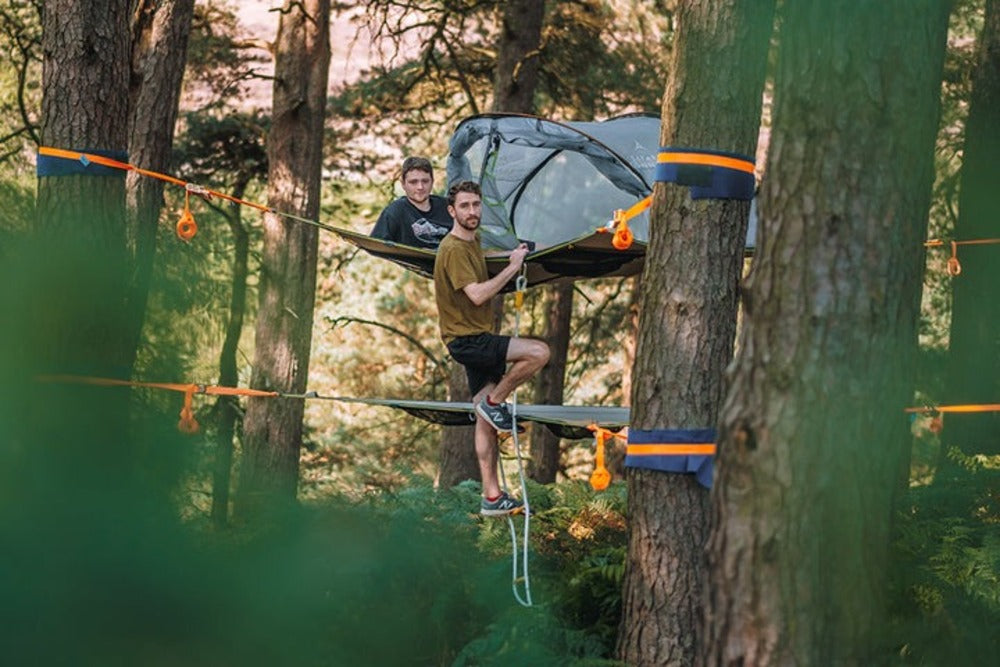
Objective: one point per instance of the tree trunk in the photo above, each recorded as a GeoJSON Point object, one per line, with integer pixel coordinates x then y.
{"type": "Point", "coordinates": [227, 408]}
{"type": "Point", "coordinates": [458, 452]}
{"type": "Point", "coordinates": [517, 56]}
{"type": "Point", "coordinates": [159, 48]}
{"type": "Point", "coordinates": [514, 90]}
{"type": "Point", "coordinates": [687, 319]}
{"type": "Point", "coordinates": [84, 106]}
{"type": "Point", "coordinates": [974, 353]}
{"type": "Point", "coordinates": [551, 380]}
{"type": "Point", "coordinates": [74, 323]}
{"type": "Point", "coordinates": [812, 429]}
{"type": "Point", "coordinates": [273, 428]}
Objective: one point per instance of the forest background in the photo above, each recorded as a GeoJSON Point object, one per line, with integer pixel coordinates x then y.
{"type": "Point", "coordinates": [367, 474]}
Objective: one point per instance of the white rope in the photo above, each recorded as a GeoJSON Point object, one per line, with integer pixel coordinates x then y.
{"type": "Point", "coordinates": [525, 600]}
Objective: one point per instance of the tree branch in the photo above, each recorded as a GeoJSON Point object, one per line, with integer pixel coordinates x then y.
{"type": "Point", "coordinates": [337, 321]}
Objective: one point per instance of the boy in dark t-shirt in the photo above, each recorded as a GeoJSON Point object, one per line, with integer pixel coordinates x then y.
{"type": "Point", "coordinates": [418, 219]}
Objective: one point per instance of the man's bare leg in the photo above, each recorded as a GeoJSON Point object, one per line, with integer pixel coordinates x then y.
{"type": "Point", "coordinates": [487, 450]}
{"type": "Point", "coordinates": [526, 356]}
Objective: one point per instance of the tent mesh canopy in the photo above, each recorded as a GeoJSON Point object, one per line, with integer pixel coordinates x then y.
{"type": "Point", "coordinates": [551, 182]}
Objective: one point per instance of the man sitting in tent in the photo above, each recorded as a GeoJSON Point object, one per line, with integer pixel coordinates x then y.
{"type": "Point", "coordinates": [418, 219]}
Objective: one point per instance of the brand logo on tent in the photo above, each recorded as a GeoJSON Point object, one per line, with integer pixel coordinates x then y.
{"type": "Point", "coordinates": [642, 158]}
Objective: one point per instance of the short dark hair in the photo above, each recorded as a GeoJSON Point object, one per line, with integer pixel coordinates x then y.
{"type": "Point", "coordinates": [463, 186]}
{"type": "Point", "coordinates": [418, 163]}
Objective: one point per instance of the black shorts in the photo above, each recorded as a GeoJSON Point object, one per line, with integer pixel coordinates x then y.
{"type": "Point", "coordinates": [484, 357]}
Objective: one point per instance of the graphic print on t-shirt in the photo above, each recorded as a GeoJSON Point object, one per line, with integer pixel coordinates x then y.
{"type": "Point", "coordinates": [427, 231]}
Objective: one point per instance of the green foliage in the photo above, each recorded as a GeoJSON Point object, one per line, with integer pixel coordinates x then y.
{"type": "Point", "coordinates": [965, 24]}
{"type": "Point", "coordinates": [593, 66]}
{"type": "Point", "coordinates": [20, 77]}
{"type": "Point", "coordinates": [92, 554]}
{"type": "Point", "coordinates": [597, 59]}
{"type": "Point", "coordinates": [18, 197]}
{"type": "Point", "coordinates": [946, 557]}
{"type": "Point", "coordinates": [223, 150]}
{"type": "Point", "coordinates": [576, 565]}
{"type": "Point", "coordinates": [221, 64]}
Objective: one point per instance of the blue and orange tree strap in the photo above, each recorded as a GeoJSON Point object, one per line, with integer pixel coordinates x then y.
{"type": "Point", "coordinates": [706, 159]}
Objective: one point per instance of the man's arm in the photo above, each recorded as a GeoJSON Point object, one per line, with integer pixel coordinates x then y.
{"type": "Point", "coordinates": [384, 227]}
{"type": "Point", "coordinates": [480, 293]}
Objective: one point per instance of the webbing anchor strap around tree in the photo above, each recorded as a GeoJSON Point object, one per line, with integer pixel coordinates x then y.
{"type": "Point", "coordinates": [711, 174]}
{"type": "Point", "coordinates": [677, 450]}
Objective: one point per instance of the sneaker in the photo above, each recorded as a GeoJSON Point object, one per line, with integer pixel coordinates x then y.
{"type": "Point", "coordinates": [501, 506]}
{"type": "Point", "coordinates": [497, 415]}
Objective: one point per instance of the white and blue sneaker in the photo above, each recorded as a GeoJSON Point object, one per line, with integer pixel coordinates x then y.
{"type": "Point", "coordinates": [502, 506]}
{"type": "Point", "coordinates": [498, 416]}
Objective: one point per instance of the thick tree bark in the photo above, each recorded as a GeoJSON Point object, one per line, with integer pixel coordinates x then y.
{"type": "Point", "coordinates": [974, 352]}
{"type": "Point", "coordinates": [812, 430]}
{"type": "Point", "coordinates": [517, 56]}
{"type": "Point", "coordinates": [514, 90]}
{"type": "Point", "coordinates": [159, 47]}
{"type": "Point", "coordinates": [687, 319]}
{"type": "Point", "coordinates": [551, 380]}
{"type": "Point", "coordinates": [74, 321]}
{"type": "Point", "coordinates": [84, 106]}
{"type": "Point", "coordinates": [273, 428]}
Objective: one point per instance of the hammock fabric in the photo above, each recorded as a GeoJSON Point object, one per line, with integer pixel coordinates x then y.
{"type": "Point", "coordinates": [566, 421]}
{"type": "Point", "coordinates": [590, 256]}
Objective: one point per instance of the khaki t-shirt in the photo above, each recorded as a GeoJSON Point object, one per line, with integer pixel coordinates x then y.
{"type": "Point", "coordinates": [460, 263]}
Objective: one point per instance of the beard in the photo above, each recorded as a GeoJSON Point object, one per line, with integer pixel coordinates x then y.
{"type": "Point", "coordinates": [471, 223]}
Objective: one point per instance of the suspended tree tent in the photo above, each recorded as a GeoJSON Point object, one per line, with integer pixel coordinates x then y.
{"type": "Point", "coordinates": [553, 184]}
